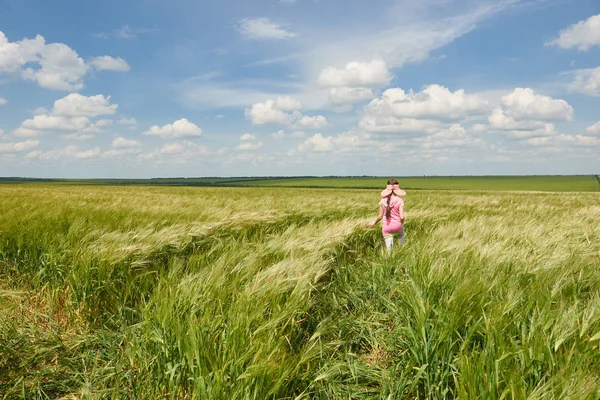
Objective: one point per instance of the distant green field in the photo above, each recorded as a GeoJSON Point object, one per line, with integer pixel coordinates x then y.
{"type": "Point", "coordinates": [579, 183]}
{"type": "Point", "coordinates": [534, 183]}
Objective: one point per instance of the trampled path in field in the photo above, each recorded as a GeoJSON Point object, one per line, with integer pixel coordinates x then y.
{"type": "Point", "coordinates": [257, 293]}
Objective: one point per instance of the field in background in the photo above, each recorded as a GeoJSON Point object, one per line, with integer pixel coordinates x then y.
{"type": "Point", "coordinates": [579, 183]}
{"type": "Point", "coordinates": [282, 293]}
{"type": "Point", "coordinates": [530, 183]}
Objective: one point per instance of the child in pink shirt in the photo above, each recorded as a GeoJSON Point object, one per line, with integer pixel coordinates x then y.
{"type": "Point", "coordinates": [391, 210]}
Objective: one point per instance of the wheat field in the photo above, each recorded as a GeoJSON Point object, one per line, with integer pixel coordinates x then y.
{"type": "Point", "coordinates": [279, 293]}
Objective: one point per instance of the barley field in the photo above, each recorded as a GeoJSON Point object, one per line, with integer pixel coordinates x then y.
{"type": "Point", "coordinates": [137, 292]}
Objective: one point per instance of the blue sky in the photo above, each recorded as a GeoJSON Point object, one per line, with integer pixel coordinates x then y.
{"type": "Point", "coordinates": [149, 88]}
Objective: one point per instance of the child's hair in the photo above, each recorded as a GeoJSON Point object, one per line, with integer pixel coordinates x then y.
{"type": "Point", "coordinates": [391, 181]}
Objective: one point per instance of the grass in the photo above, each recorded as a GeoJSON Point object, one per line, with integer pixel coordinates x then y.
{"type": "Point", "coordinates": [275, 293]}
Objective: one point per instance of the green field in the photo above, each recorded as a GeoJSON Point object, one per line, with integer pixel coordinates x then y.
{"type": "Point", "coordinates": [530, 183]}
{"type": "Point", "coordinates": [131, 292]}
{"type": "Point", "coordinates": [577, 183]}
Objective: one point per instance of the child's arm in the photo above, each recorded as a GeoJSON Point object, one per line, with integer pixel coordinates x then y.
{"type": "Point", "coordinates": [378, 218]}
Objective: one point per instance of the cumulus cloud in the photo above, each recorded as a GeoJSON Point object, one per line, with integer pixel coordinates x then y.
{"type": "Point", "coordinates": [499, 120]}
{"type": "Point", "coordinates": [274, 112]}
{"type": "Point", "coordinates": [2, 101]}
{"type": "Point", "coordinates": [399, 112]}
{"type": "Point", "coordinates": [59, 67]}
{"type": "Point", "coordinates": [559, 140]}
{"type": "Point", "coordinates": [178, 129]}
{"type": "Point", "coordinates": [121, 152]}
{"type": "Point", "coordinates": [172, 148]}
{"type": "Point", "coordinates": [587, 82]}
{"type": "Point", "coordinates": [356, 74]}
{"type": "Point", "coordinates": [349, 95]}
{"type": "Point", "coordinates": [56, 123]}
{"type": "Point", "coordinates": [108, 63]}
{"type": "Point", "coordinates": [68, 152]}
{"type": "Point", "coordinates": [582, 35]}
{"type": "Point", "coordinates": [523, 103]}
{"type": "Point", "coordinates": [103, 123]}
{"type": "Point", "coordinates": [391, 124]}
{"type": "Point", "coordinates": [278, 135]}
{"type": "Point", "coordinates": [127, 121]}
{"type": "Point", "coordinates": [594, 129]}
{"type": "Point", "coordinates": [288, 103]}
{"type": "Point", "coordinates": [434, 102]}
{"type": "Point", "coordinates": [454, 136]}
{"type": "Point", "coordinates": [249, 142]}
{"type": "Point", "coordinates": [269, 112]}
{"type": "Point", "coordinates": [25, 133]}
{"type": "Point", "coordinates": [122, 143]}
{"type": "Point", "coordinates": [76, 104]}
{"type": "Point", "coordinates": [263, 28]}
{"type": "Point", "coordinates": [317, 143]}
{"type": "Point", "coordinates": [17, 147]}
{"type": "Point", "coordinates": [316, 122]}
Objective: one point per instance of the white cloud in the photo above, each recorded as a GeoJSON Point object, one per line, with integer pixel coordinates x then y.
{"type": "Point", "coordinates": [122, 143]}
{"type": "Point", "coordinates": [562, 139]}
{"type": "Point", "coordinates": [108, 63]}
{"type": "Point", "coordinates": [582, 35]}
{"type": "Point", "coordinates": [2, 101]}
{"type": "Point", "coordinates": [103, 123]}
{"type": "Point", "coordinates": [127, 121]}
{"type": "Point", "coordinates": [81, 135]}
{"type": "Point", "coordinates": [248, 142]}
{"type": "Point", "coordinates": [391, 124]}
{"type": "Point", "coordinates": [594, 129]}
{"type": "Point", "coordinates": [454, 136]}
{"type": "Point", "coordinates": [499, 120]}
{"type": "Point", "coordinates": [317, 143]}
{"type": "Point", "coordinates": [298, 134]}
{"type": "Point", "coordinates": [17, 147]}
{"type": "Point", "coordinates": [180, 128]}
{"type": "Point", "coordinates": [267, 113]}
{"type": "Point", "coordinates": [85, 154]}
{"type": "Point", "coordinates": [60, 67]}
{"type": "Point", "coordinates": [399, 112]}
{"type": "Point", "coordinates": [76, 104]}
{"type": "Point", "coordinates": [172, 148]}
{"type": "Point", "coordinates": [349, 95]}
{"type": "Point", "coordinates": [287, 103]}
{"type": "Point", "coordinates": [316, 122]}
{"type": "Point", "coordinates": [263, 28]}
{"type": "Point", "coordinates": [25, 133]}
{"type": "Point", "coordinates": [525, 104]}
{"type": "Point", "coordinates": [247, 137]}
{"type": "Point", "coordinates": [434, 102]}
{"type": "Point", "coordinates": [121, 152]}
{"type": "Point", "coordinates": [356, 74]}
{"type": "Point", "coordinates": [57, 123]}
{"type": "Point", "coordinates": [278, 135]}
{"type": "Point", "coordinates": [249, 146]}
{"type": "Point", "coordinates": [587, 82]}
{"type": "Point", "coordinates": [68, 152]}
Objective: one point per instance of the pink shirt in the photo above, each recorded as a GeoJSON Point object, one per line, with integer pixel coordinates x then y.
{"type": "Point", "coordinates": [392, 225]}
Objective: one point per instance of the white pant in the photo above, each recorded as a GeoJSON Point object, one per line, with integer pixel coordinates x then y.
{"type": "Point", "coordinates": [389, 241]}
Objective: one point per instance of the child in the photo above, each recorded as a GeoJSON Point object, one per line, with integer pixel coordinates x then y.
{"type": "Point", "coordinates": [391, 209]}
